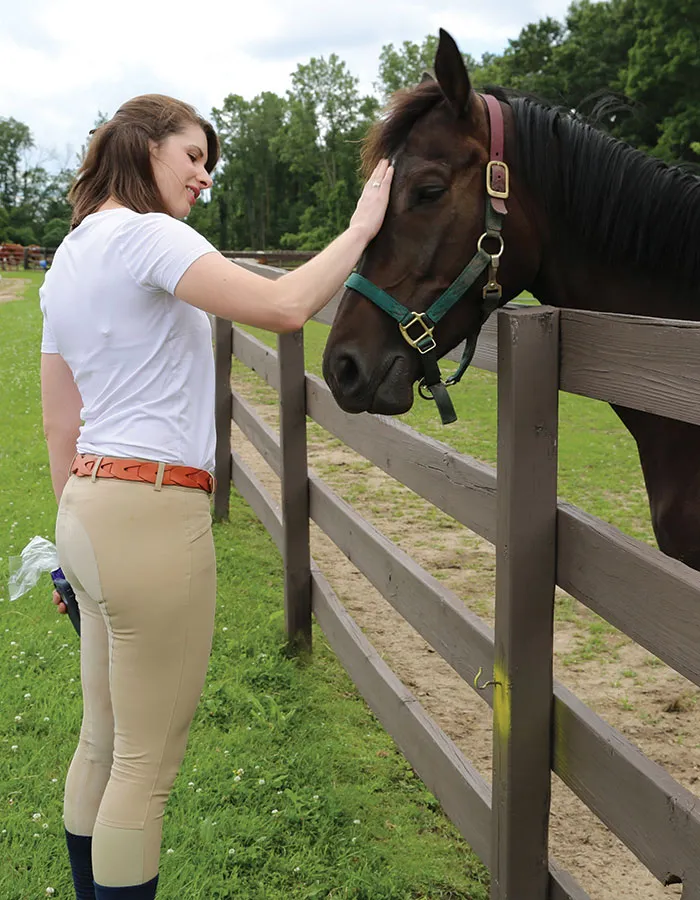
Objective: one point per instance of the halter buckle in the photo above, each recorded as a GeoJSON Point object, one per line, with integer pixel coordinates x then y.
{"type": "Point", "coordinates": [418, 319]}
{"type": "Point", "coordinates": [492, 175]}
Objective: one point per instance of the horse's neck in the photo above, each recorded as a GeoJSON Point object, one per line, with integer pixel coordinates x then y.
{"type": "Point", "coordinates": [572, 279]}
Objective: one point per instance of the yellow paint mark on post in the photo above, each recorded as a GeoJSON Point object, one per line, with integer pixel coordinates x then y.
{"type": "Point", "coordinates": [501, 703]}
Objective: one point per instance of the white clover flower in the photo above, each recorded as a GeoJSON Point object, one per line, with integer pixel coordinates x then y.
{"type": "Point", "coordinates": [275, 812]}
{"type": "Point", "coordinates": [297, 868]}
{"type": "Point", "coordinates": [14, 747]}
{"type": "Point", "coordinates": [45, 825]}
{"type": "Point", "coordinates": [27, 696]}
{"type": "Point", "coordinates": [54, 780]}
{"type": "Point", "coordinates": [170, 850]}
{"type": "Point", "coordinates": [261, 781]}
{"type": "Point", "coordinates": [231, 851]}
{"type": "Point", "coordinates": [355, 821]}
{"type": "Point", "coordinates": [198, 791]}
{"type": "Point", "coordinates": [315, 797]}
{"type": "Point", "coordinates": [224, 628]}
{"type": "Point", "coordinates": [36, 817]}
{"type": "Point", "coordinates": [190, 784]}
{"type": "Point", "coordinates": [46, 719]}
{"type": "Point", "coordinates": [18, 718]}
{"type": "Point", "coordinates": [50, 890]}
{"type": "Point", "coordinates": [237, 778]}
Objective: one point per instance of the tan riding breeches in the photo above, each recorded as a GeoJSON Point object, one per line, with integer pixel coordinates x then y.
{"type": "Point", "coordinates": [142, 564]}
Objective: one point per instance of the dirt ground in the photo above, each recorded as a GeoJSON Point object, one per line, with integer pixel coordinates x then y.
{"type": "Point", "coordinates": [649, 703]}
{"type": "Point", "coordinates": [11, 289]}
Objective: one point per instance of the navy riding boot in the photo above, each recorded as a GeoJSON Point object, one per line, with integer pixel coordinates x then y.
{"type": "Point", "coordinates": [133, 892]}
{"type": "Point", "coordinates": [80, 854]}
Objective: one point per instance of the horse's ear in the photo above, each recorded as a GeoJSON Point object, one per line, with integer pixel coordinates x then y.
{"type": "Point", "coordinates": [427, 76]}
{"type": "Point", "coordinates": [452, 74]}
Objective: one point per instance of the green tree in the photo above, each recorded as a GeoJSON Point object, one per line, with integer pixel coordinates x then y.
{"type": "Point", "coordinates": [591, 61]}
{"type": "Point", "coordinates": [4, 225]}
{"type": "Point", "coordinates": [527, 64]}
{"type": "Point", "coordinates": [249, 187]}
{"type": "Point", "coordinates": [320, 143]}
{"type": "Point", "coordinates": [15, 139]}
{"type": "Point", "coordinates": [663, 77]}
{"type": "Point", "coordinates": [403, 67]}
{"type": "Point", "coordinates": [54, 232]}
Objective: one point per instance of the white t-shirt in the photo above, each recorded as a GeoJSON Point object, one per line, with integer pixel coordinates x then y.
{"type": "Point", "coordinates": [141, 358]}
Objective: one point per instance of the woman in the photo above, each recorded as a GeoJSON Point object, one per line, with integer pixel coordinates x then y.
{"type": "Point", "coordinates": [127, 349]}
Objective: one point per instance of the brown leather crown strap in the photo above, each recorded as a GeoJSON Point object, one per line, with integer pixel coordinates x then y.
{"type": "Point", "coordinates": [497, 175]}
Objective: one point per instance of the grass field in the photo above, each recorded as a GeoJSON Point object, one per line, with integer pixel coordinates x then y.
{"type": "Point", "coordinates": [290, 788]}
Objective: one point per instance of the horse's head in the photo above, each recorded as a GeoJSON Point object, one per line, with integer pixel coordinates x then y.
{"type": "Point", "coordinates": [439, 137]}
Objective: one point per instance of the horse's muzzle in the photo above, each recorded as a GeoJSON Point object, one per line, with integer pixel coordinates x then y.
{"type": "Point", "coordinates": [386, 389]}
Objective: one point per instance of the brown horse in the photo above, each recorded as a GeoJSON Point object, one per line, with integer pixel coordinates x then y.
{"type": "Point", "coordinates": [591, 224]}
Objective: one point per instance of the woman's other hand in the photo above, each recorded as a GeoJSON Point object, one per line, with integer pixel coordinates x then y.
{"type": "Point", "coordinates": [371, 207]}
{"type": "Point", "coordinates": [58, 603]}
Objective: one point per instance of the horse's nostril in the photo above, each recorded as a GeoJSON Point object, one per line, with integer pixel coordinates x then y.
{"type": "Point", "coordinates": [347, 372]}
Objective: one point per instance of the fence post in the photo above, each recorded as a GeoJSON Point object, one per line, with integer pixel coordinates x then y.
{"type": "Point", "coordinates": [528, 381]}
{"type": "Point", "coordinates": [295, 490]}
{"type": "Point", "coordinates": [223, 409]}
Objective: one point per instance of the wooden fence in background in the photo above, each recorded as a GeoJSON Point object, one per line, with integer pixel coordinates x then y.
{"type": "Point", "coordinates": [539, 726]}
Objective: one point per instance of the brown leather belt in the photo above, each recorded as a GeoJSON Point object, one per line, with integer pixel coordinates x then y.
{"type": "Point", "coordinates": [159, 474]}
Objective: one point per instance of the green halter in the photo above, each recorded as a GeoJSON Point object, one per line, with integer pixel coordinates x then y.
{"type": "Point", "coordinates": [417, 327]}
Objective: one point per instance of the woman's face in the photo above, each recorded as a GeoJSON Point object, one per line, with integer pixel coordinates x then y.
{"type": "Point", "coordinates": [178, 168]}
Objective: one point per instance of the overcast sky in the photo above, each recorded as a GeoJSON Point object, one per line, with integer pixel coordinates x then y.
{"type": "Point", "coordinates": [62, 61]}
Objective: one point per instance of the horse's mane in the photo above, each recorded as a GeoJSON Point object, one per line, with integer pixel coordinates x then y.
{"type": "Point", "coordinates": [624, 206]}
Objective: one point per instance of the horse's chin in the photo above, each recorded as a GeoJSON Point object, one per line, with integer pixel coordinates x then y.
{"type": "Point", "coordinates": [390, 404]}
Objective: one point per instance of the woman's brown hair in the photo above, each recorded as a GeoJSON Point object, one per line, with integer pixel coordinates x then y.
{"type": "Point", "coordinates": [118, 160]}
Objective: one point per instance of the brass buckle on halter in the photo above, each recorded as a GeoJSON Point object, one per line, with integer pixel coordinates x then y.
{"type": "Point", "coordinates": [427, 333]}
{"type": "Point", "coordinates": [490, 189]}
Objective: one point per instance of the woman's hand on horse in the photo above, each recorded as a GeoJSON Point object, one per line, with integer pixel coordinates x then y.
{"type": "Point", "coordinates": [58, 603]}
{"type": "Point", "coordinates": [371, 207]}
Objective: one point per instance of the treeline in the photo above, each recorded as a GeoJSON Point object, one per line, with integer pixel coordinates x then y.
{"type": "Point", "coordinates": [289, 173]}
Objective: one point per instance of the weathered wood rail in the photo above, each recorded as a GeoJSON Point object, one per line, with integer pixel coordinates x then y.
{"type": "Point", "coordinates": [539, 725]}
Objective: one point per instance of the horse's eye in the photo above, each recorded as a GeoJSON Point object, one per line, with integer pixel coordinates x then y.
{"type": "Point", "coordinates": [428, 193]}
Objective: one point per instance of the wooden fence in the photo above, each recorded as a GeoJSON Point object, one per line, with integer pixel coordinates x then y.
{"type": "Point", "coordinates": [14, 257]}
{"type": "Point", "coordinates": [539, 726]}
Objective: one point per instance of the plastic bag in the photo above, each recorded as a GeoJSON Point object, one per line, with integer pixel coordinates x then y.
{"type": "Point", "coordinates": [38, 556]}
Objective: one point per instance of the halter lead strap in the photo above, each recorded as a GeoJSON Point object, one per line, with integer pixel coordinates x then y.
{"type": "Point", "coordinates": [417, 327]}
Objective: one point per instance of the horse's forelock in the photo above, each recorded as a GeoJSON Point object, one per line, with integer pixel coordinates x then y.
{"type": "Point", "coordinates": [391, 130]}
